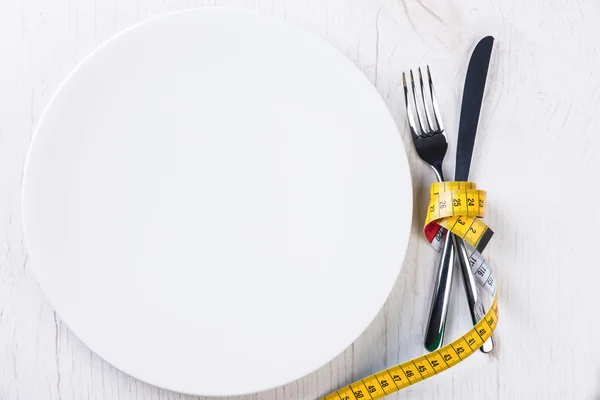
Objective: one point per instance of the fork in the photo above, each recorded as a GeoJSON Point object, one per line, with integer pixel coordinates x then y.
{"type": "Point", "coordinates": [431, 146]}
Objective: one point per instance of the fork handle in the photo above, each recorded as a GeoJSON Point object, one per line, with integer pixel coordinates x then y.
{"type": "Point", "coordinates": [475, 303]}
{"type": "Point", "coordinates": [434, 334]}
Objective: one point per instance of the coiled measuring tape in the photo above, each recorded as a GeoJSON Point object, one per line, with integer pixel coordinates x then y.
{"type": "Point", "coordinates": [457, 207]}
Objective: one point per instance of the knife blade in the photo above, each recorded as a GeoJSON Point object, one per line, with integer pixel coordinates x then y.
{"type": "Point", "coordinates": [467, 130]}
{"type": "Point", "coordinates": [471, 106]}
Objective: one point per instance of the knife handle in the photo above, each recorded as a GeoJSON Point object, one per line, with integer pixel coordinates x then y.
{"type": "Point", "coordinates": [473, 298]}
{"type": "Point", "coordinates": [440, 301]}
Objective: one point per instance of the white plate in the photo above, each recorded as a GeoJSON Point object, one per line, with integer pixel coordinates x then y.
{"type": "Point", "coordinates": [217, 202]}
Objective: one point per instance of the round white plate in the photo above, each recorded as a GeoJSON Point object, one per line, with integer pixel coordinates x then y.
{"type": "Point", "coordinates": [217, 202]}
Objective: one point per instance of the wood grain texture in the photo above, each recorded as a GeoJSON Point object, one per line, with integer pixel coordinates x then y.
{"type": "Point", "coordinates": [537, 154]}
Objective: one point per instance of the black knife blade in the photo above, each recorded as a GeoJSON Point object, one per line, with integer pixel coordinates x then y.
{"type": "Point", "coordinates": [471, 106]}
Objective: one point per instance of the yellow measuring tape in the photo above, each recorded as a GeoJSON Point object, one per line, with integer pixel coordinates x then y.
{"type": "Point", "coordinates": [456, 206]}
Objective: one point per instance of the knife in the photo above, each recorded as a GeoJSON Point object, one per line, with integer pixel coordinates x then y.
{"type": "Point", "coordinates": [467, 129]}
{"type": "Point", "coordinates": [471, 106]}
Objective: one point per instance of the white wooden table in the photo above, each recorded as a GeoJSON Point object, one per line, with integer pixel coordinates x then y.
{"type": "Point", "coordinates": [536, 152]}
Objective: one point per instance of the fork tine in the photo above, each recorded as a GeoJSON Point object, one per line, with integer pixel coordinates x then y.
{"type": "Point", "coordinates": [422, 122]}
{"type": "Point", "coordinates": [425, 108]}
{"type": "Point", "coordinates": [436, 110]}
{"type": "Point", "coordinates": [409, 112]}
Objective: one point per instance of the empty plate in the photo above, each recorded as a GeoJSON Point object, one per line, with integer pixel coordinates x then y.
{"type": "Point", "coordinates": [217, 202]}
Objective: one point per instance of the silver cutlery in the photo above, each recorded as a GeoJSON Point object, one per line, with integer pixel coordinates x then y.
{"type": "Point", "coordinates": [467, 130]}
{"type": "Point", "coordinates": [431, 146]}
